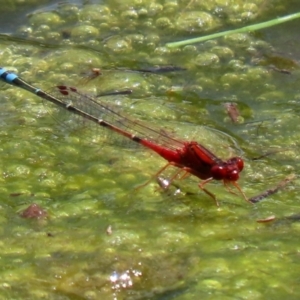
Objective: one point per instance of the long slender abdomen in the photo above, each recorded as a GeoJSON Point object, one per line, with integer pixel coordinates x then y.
{"type": "Point", "coordinates": [167, 154]}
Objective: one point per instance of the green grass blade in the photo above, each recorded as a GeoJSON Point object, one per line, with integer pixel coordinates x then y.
{"type": "Point", "coordinates": [239, 30]}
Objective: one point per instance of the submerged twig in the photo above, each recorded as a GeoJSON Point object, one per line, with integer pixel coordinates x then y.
{"type": "Point", "coordinates": [270, 153]}
{"type": "Point", "coordinates": [282, 184]}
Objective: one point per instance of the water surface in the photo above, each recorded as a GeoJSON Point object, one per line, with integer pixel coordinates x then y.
{"type": "Point", "coordinates": [102, 239]}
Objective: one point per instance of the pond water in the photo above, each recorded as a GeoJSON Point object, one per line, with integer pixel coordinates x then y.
{"type": "Point", "coordinates": [98, 236]}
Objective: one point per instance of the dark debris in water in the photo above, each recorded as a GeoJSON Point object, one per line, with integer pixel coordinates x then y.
{"type": "Point", "coordinates": [161, 69]}
{"type": "Point", "coordinates": [19, 194]}
{"type": "Point", "coordinates": [279, 63]}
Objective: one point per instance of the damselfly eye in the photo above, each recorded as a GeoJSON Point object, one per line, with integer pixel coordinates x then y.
{"type": "Point", "coordinates": [238, 162]}
{"type": "Point", "coordinates": [233, 175]}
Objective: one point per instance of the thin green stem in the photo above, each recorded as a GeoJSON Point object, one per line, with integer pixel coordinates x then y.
{"type": "Point", "coordinates": [239, 30]}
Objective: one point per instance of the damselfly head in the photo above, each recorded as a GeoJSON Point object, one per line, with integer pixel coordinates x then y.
{"type": "Point", "coordinates": [228, 170]}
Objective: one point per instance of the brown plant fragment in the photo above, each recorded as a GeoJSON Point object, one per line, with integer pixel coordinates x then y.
{"type": "Point", "coordinates": [232, 111]}
{"type": "Point", "coordinates": [266, 220]}
{"type": "Point", "coordinates": [33, 211]}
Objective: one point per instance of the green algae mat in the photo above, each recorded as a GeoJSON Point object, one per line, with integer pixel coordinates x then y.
{"type": "Point", "coordinates": [75, 223]}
